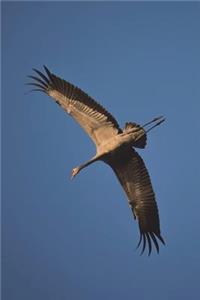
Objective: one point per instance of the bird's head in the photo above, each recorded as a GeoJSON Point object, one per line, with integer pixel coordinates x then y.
{"type": "Point", "coordinates": [75, 171]}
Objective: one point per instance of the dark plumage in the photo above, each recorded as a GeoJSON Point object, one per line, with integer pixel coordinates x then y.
{"type": "Point", "coordinates": [115, 147]}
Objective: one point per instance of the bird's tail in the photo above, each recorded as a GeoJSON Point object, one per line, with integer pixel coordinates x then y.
{"type": "Point", "coordinates": [142, 138]}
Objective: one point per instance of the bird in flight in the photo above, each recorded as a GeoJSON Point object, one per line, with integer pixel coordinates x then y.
{"type": "Point", "coordinates": [114, 146]}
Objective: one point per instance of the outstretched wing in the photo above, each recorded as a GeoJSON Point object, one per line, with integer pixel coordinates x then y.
{"type": "Point", "coordinates": [134, 178]}
{"type": "Point", "coordinates": [91, 116]}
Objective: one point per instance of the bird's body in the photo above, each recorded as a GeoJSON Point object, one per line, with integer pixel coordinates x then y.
{"type": "Point", "coordinates": [114, 146]}
{"type": "Point", "coordinates": [119, 141]}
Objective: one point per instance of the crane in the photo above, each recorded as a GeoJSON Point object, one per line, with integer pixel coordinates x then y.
{"type": "Point", "coordinates": [114, 146]}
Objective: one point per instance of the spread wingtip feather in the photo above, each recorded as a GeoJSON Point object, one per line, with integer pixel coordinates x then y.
{"type": "Point", "coordinates": [147, 239]}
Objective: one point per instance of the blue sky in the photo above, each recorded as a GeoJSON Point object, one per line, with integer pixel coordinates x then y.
{"type": "Point", "coordinates": [74, 240]}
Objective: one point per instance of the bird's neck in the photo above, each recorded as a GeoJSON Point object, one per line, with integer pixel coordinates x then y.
{"type": "Point", "coordinates": [89, 162]}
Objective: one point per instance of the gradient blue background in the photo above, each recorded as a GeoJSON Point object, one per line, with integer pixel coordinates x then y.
{"type": "Point", "coordinates": [76, 239]}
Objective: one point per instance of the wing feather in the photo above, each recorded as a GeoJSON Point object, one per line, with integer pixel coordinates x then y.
{"type": "Point", "coordinates": [134, 178]}
{"type": "Point", "coordinates": [91, 116]}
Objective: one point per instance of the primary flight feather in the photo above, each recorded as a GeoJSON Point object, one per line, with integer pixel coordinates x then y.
{"type": "Point", "coordinates": [114, 146]}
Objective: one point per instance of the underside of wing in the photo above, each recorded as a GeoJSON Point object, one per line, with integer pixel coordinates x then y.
{"type": "Point", "coordinates": [91, 116]}
{"type": "Point", "coordinates": [134, 178]}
